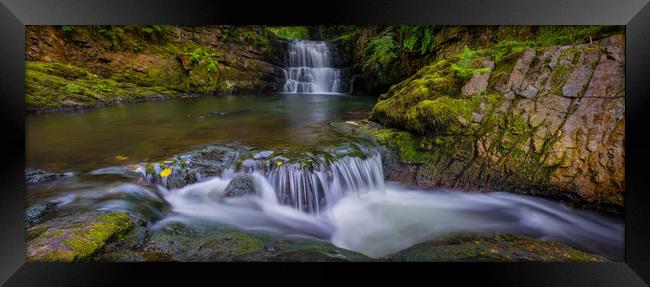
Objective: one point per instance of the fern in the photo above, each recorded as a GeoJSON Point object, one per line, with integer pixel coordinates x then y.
{"type": "Point", "coordinates": [380, 50]}
{"type": "Point", "coordinates": [464, 67]}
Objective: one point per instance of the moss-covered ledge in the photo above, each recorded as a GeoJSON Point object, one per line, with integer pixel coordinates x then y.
{"type": "Point", "coordinates": [76, 237]}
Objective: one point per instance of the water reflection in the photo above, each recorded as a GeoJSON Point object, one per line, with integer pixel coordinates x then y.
{"type": "Point", "coordinates": [91, 139]}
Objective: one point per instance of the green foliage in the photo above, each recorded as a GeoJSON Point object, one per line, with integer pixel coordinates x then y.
{"type": "Point", "coordinates": [203, 55]}
{"type": "Point", "coordinates": [412, 35]}
{"type": "Point", "coordinates": [160, 31]}
{"type": "Point", "coordinates": [382, 50]}
{"type": "Point", "coordinates": [291, 32]}
{"type": "Point", "coordinates": [67, 29]}
{"type": "Point", "coordinates": [255, 37]}
{"type": "Point", "coordinates": [545, 36]}
{"type": "Point", "coordinates": [137, 46]}
{"type": "Point", "coordinates": [115, 34]}
{"type": "Point", "coordinates": [466, 67]}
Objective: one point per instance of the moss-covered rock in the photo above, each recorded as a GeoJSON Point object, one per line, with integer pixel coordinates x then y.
{"type": "Point", "coordinates": [538, 126]}
{"type": "Point", "coordinates": [177, 242]}
{"type": "Point", "coordinates": [75, 237]}
{"type": "Point", "coordinates": [93, 66]}
{"type": "Point", "coordinates": [500, 247]}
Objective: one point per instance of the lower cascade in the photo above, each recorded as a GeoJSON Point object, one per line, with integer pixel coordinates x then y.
{"type": "Point", "coordinates": [310, 70]}
{"type": "Point", "coordinates": [312, 190]}
{"type": "Point", "coordinates": [347, 202]}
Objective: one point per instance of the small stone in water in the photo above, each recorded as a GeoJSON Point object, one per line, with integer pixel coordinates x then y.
{"type": "Point", "coordinates": [263, 154]}
{"type": "Point", "coordinates": [249, 163]}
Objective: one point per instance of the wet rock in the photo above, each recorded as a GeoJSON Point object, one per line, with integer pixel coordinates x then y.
{"type": "Point", "coordinates": [188, 168]}
{"type": "Point", "coordinates": [75, 237]}
{"type": "Point", "coordinates": [479, 82]}
{"type": "Point", "coordinates": [240, 185]}
{"type": "Point", "coordinates": [33, 176]}
{"type": "Point", "coordinates": [35, 212]}
{"type": "Point", "coordinates": [178, 242]}
{"type": "Point", "coordinates": [263, 154]}
{"type": "Point", "coordinates": [500, 247]}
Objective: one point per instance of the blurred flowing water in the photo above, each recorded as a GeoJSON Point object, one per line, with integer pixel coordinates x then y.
{"type": "Point", "coordinates": [310, 70]}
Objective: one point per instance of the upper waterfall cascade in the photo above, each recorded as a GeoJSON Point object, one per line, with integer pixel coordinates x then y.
{"type": "Point", "coordinates": [309, 69]}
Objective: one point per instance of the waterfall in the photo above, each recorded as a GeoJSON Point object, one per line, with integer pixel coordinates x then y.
{"type": "Point", "coordinates": [312, 190]}
{"type": "Point", "coordinates": [309, 69]}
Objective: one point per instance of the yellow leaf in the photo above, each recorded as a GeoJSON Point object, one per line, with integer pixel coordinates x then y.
{"type": "Point", "coordinates": [279, 163]}
{"type": "Point", "coordinates": [166, 172]}
{"type": "Point", "coordinates": [121, 157]}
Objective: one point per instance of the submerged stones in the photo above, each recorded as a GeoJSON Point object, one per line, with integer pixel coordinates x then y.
{"type": "Point", "coordinates": [35, 212]}
{"type": "Point", "coordinates": [33, 176]}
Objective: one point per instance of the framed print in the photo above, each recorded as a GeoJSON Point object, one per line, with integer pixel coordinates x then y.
{"type": "Point", "coordinates": [506, 140]}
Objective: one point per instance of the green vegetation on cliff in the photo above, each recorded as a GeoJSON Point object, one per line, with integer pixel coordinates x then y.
{"type": "Point", "coordinates": [291, 32]}
{"type": "Point", "coordinates": [90, 66]}
{"type": "Point", "coordinates": [514, 115]}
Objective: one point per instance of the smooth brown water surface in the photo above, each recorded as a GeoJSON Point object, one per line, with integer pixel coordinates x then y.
{"type": "Point", "coordinates": [117, 135]}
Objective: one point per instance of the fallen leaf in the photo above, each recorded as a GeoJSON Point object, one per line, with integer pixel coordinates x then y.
{"type": "Point", "coordinates": [166, 172]}
{"type": "Point", "coordinates": [121, 157]}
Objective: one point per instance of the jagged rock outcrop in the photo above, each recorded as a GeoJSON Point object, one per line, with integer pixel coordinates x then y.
{"type": "Point", "coordinates": [546, 120]}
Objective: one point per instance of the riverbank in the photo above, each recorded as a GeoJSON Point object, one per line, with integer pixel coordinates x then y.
{"type": "Point", "coordinates": [72, 67]}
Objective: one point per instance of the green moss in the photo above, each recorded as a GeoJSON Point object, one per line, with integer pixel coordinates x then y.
{"type": "Point", "coordinates": [468, 64]}
{"type": "Point", "coordinates": [500, 247]}
{"type": "Point", "coordinates": [558, 78]}
{"type": "Point", "coordinates": [67, 28]}
{"type": "Point", "coordinates": [291, 32]}
{"type": "Point", "coordinates": [54, 85]}
{"type": "Point", "coordinates": [243, 243]}
{"type": "Point", "coordinates": [397, 107]}
{"type": "Point", "coordinates": [79, 240]}
{"type": "Point", "coordinates": [441, 115]}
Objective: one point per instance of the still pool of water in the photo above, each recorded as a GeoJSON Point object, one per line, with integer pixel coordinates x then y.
{"type": "Point", "coordinates": [90, 139]}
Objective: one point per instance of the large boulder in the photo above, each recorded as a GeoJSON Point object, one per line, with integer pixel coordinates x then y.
{"type": "Point", "coordinates": [75, 237]}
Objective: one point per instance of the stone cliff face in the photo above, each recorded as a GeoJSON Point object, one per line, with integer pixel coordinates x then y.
{"type": "Point", "coordinates": [86, 66]}
{"type": "Point", "coordinates": [546, 120]}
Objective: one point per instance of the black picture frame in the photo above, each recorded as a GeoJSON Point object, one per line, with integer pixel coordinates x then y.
{"type": "Point", "coordinates": [635, 15]}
